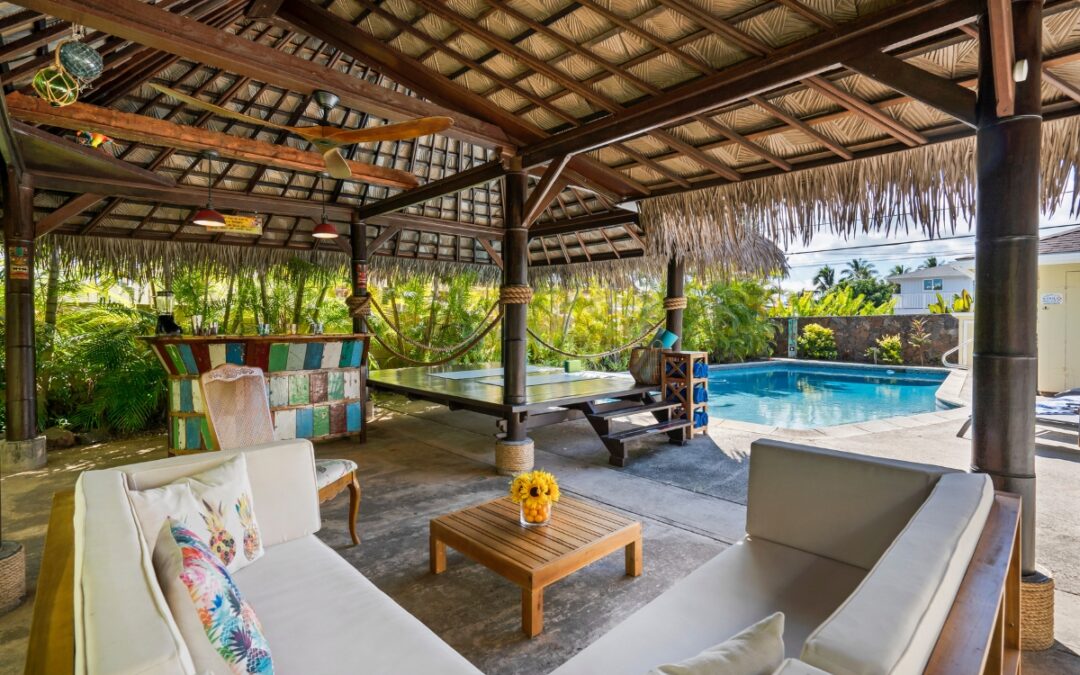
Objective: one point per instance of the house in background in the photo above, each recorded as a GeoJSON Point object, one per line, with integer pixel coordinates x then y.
{"type": "Point", "coordinates": [920, 288]}
{"type": "Point", "coordinates": [1059, 312]}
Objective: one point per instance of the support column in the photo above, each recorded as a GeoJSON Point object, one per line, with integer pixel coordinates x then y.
{"type": "Point", "coordinates": [514, 452]}
{"type": "Point", "coordinates": [358, 275]}
{"type": "Point", "coordinates": [23, 447]}
{"type": "Point", "coordinates": [675, 301]}
{"type": "Point", "coordinates": [1006, 273]}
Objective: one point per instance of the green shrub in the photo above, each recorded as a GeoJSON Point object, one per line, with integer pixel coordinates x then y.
{"type": "Point", "coordinates": [890, 349]}
{"type": "Point", "coordinates": [817, 342]}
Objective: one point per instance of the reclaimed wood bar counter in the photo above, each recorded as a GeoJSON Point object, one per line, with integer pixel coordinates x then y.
{"type": "Point", "coordinates": [316, 383]}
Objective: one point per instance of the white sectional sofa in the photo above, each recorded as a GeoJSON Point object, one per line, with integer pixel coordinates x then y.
{"type": "Point", "coordinates": [864, 557]}
{"type": "Point", "coordinates": [319, 614]}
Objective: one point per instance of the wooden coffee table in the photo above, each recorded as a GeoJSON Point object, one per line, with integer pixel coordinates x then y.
{"type": "Point", "coordinates": [579, 534]}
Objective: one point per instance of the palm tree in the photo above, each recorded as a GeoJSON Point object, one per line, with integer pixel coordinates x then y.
{"type": "Point", "coordinates": [859, 268]}
{"type": "Point", "coordinates": [932, 261]}
{"type": "Point", "coordinates": [897, 270]}
{"type": "Point", "coordinates": [824, 279]}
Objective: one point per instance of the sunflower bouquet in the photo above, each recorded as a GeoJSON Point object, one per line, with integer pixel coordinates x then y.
{"type": "Point", "coordinates": [535, 492]}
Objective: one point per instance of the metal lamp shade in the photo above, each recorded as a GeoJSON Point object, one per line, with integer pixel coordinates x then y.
{"type": "Point", "coordinates": [209, 218]}
{"type": "Point", "coordinates": [324, 231]}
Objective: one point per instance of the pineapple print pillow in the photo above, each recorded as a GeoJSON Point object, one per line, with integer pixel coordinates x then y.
{"type": "Point", "coordinates": [216, 505]}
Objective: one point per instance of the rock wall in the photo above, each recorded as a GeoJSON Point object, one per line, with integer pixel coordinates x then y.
{"type": "Point", "coordinates": [855, 334]}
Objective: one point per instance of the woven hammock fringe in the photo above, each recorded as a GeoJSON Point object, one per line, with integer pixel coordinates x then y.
{"type": "Point", "coordinates": [928, 188]}
{"type": "Point", "coordinates": [610, 352]}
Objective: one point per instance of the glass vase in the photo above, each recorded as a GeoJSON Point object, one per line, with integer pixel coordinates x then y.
{"type": "Point", "coordinates": [535, 515]}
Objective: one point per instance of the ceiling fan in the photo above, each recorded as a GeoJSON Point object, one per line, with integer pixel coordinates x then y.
{"type": "Point", "coordinates": [328, 139]}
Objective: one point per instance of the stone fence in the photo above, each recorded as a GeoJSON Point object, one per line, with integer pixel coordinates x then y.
{"type": "Point", "coordinates": [855, 334]}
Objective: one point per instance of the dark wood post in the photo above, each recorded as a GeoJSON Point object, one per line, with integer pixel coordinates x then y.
{"type": "Point", "coordinates": [23, 447]}
{"type": "Point", "coordinates": [675, 289]}
{"type": "Point", "coordinates": [1006, 273]}
{"type": "Point", "coordinates": [515, 316]}
{"type": "Point", "coordinates": [359, 270]}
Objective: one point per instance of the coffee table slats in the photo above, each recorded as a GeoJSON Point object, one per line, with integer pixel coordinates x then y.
{"type": "Point", "coordinates": [531, 543]}
{"type": "Point", "coordinates": [484, 536]}
{"type": "Point", "coordinates": [568, 527]}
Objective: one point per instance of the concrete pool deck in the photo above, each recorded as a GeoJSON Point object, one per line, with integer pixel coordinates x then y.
{"type": "Point", "coordinates": [423, 459]}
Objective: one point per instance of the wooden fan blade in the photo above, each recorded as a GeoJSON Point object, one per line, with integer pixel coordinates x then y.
{"type": "Point", "coordinates": [423, 126]}
{"type": "Point", "coordinates": [336, 164]}
{"type": "Point", "coordinates": [216, 109]}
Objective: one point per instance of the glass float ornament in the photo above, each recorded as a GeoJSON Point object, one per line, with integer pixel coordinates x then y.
{"type": "Point", "coordinates": [56, 86]}
{"type": "Point", "coordinates": [79, 60]}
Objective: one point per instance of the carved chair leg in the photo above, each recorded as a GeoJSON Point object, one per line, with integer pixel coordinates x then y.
{"type": "Point", "coordinates": [354, 507]}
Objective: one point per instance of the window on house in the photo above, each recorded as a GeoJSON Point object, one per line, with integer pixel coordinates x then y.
{"type": "Point", "coordinates": [932, 285]}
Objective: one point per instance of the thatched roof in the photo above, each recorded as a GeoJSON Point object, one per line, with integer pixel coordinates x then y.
{"type": "Point", "coordinates": [817, 148]}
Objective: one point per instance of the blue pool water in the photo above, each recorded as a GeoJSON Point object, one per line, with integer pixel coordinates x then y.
{"type": "Point", "coordinates": [807, 395]}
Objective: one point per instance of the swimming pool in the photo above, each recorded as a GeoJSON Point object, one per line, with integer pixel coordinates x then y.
{"type": "Point", "coordinates": [798, 395]}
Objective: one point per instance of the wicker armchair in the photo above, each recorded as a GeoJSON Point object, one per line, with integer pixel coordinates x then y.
{"type": "Point", "coordinates": [238, 411]}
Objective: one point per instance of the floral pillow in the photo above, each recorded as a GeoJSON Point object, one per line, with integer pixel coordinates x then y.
{"type": "Point", "coordinates": [220, 629]}
{"type": "Point", "coordinates": [215, 504]}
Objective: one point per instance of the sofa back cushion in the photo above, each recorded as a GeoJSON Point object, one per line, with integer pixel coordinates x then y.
{"type": "Point", "coordinates": [282, 477]}
{"type": "Point", "coordinates": [892, 621]}
{"type": "Point", "coordinates": [838, 505]}
{"type": "Point", "coordinates": [122, 622]}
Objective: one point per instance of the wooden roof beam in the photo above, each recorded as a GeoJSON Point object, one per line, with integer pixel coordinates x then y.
{"type": "Point", "coordinates": [583, 223]}
{"type": "Point", "coordinates": [482, 173]}
{"type": "Point", "coordinates": [117, 124]}
{"type": "Point", "coordinates": [796, 123]}
{"type": "Point", "coordinates": [936, 92]}
{"type": "Point", "coordinates": [889, 125]}
{"type": "Point", "coordinates": [898, 25]}
{"type": "Point", "coordinates": [68, 210]}
{"type": "Point", "coordinates": [1003, 54]}
{"type": "Point", "coordinates": [544, 193]}
{"type": "Point", "coordinates": [147, 25]}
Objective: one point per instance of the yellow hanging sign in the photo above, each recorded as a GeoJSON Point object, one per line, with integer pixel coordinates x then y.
{"type": "Point", "coordinates": [243, 225]}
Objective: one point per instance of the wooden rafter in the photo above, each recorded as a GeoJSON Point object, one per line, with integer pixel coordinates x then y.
{"type": "Point", "coordinates": [936, 92]}
{"type": "Point", "coordinates": [550, 184]}
{"type": "Point", "coordinates": [70, 209]}
{"type": "Point", "coordinates": [153, 27]}
{"type": "Point", "coordinates": [117, 124]}
{"type": "Point", "coordinates": [1003, 54]}
{"type": "Point", "coordinates": [889, 125]}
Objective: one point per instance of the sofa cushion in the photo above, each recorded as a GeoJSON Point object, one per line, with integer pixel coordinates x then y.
{"type": "Point", "coordinates": [797, 667]}
{"type": "Point", "coordinates": [219, 627]}
{"type": "Point", "coordinates": [891, 622]}
{"type": "Point", "coordinates": [282, 476]}
{"type": "Point", "coordinates": [320, 615]}
{"type": "Point", "coordinates": [218, 507]}
{"type": "Point", "coordinates": [122, 622]}
{"type": "Point", "coordinates": [747, 581]}
{"type": "Point", "coordinates": [756, 650]}
{"type": "Point", "coordinates": [840, 505]}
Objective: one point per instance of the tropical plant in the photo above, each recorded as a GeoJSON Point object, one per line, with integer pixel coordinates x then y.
{"type": "Point", "coordinates": [824, 280]}
{"type": "Point", "coordinates": [919, 338]}
{"type": "Point", "coordinates": [817, 342]}
{"type": "Point", "coordinates": [932, 261]}
{"type": "Point", "coordinates": [859, 268]}
{"type": "Point", "coordinates": [961, 302]}
{"type": "Point", "coordinates": [876, 291]}
{"type": "Point", "coordinates": [897, 270]}
{"type": "Point", "coordinates": [890, 349]}
{"type": "Point", "coordinates": [841, 301]}
{"type": "Point", "coordinates": [728, 320]}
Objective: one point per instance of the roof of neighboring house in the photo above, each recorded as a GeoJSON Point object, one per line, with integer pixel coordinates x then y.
{"type": "Point", "coordinates": [941, 271]}
{"type": "Point", "coordinates": [1066, 242]}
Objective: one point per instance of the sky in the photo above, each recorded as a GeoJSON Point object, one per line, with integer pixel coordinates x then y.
{"type": "Point", "coordinates": [885, 251]}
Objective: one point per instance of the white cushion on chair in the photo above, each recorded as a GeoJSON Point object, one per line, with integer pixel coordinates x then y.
{"type": "Point", "coordinates": [329, 470]}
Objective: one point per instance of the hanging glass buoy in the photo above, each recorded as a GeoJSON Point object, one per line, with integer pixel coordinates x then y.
{"type": "Point", "coordinates": [80, 60]}
{"type": "Point", "coordinates": [56, 86]}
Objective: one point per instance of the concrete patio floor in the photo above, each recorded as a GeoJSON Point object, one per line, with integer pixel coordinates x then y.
{"type": "Point", "coordinates": [422, 460]}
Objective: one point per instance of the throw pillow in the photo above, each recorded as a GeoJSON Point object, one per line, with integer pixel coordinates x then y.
{"type": "Point", "coordinates": [215, 504]}
{"type": "Point", "coordinates": [220, 629]}
{"type": "Point", "coordinates": [757, 650]}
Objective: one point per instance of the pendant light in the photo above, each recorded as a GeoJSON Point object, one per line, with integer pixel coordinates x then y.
{"type": "Point", "coordinates": [208, 217]}
{"type": "Point", "coordinates": [324, 230]}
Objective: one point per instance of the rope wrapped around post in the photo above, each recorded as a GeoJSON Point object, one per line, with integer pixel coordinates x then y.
{"type": "Point", "coordinates": [515, 294]}
{"type": "Point", "coordinates": [678, 302]}
{"type": "Point", "coordinates": [359, 306]}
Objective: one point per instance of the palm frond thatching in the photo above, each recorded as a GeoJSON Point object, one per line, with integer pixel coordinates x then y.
{"type": "Point", "coordinates": [930, 188]}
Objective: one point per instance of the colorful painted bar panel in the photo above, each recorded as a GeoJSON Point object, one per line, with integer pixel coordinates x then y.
{"type": "Point", "coordinates": [315, 384]}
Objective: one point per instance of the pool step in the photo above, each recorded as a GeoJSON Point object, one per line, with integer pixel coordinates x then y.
{"type": "Point", "coordinates": [615, 442]}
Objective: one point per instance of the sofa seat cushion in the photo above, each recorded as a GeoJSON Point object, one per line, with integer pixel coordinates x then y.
{"type": "Point", "coordinates": [891, 623]}
{"type": "Point", "coordinates": [329, 470]}
{"type": "Point", "coordinates": [741, 586]}
{"type": "Point", "coordinates": [320, 615]}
